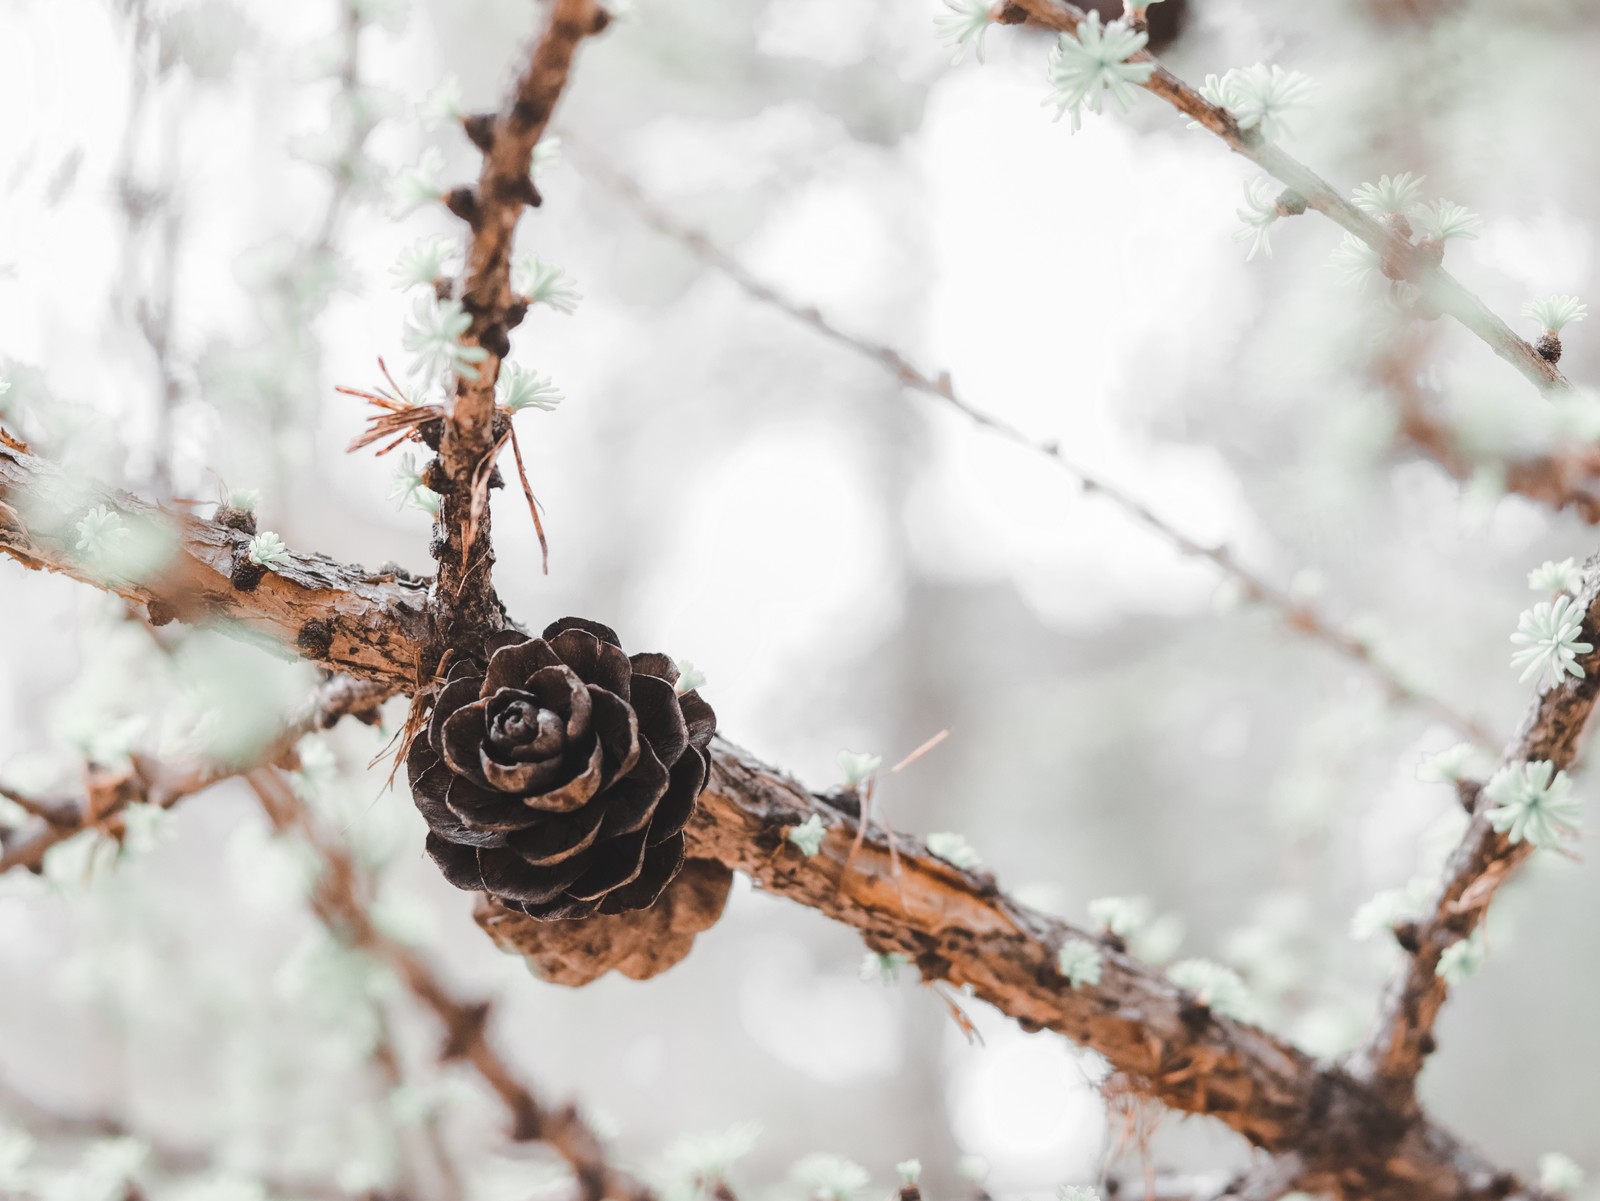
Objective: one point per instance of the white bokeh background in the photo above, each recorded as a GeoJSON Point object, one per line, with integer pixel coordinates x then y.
{"type": "Point", "coordinates": [853, 566]}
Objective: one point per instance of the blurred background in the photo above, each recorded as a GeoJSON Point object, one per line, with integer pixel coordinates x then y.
{"type": "Point", "coordinates": [196, 241]}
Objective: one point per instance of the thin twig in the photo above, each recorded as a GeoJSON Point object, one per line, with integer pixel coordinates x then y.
{"type": "Point", "coordinates": [1444, 291]}
{"type": "Point", "coordinates": [163, 785]}
{"type": "Point", "coordinates": [340, 899]}
{"type": "Point", "coordinates": [1298, 614]}
{"type": "Point", "coordinates": [1402, 1037]}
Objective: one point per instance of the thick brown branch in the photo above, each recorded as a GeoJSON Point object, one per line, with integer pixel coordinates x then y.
{"type": "Point", "coordinates": [1403, 1036]}
{"type": "Point", "coordinates": [1444, 291]}
{"type": "Point", "coordinates": [371, 625]}
{"type": "Point", "coordinates": [958, 927]}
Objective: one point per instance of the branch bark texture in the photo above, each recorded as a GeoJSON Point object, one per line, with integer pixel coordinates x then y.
{"type": "Point", "coordinates": [370, 625]}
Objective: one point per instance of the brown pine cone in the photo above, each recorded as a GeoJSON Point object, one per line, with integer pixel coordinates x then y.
{"type": "Point", "coordinates": [639, 945]}
{"type": "Point", "coordinates": [557, 774]}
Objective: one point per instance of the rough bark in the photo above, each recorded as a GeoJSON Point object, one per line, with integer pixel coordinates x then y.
{"type": "Point", "coordinates": [371, 625]}
{"type": "Point", "coordinates": [959, 927]}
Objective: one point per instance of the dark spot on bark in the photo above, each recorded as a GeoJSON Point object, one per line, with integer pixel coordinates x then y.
{"type": "Point", "coordinates": [495, 341]}
{"type": "Point", "coordinates": [242, 520]}
{"type": "Point", "coordinates": [315, 638]}
{"type": "Point", "coordinates": [1192, 1013]}
{"type": "Point", "coordinates": [1320, 1100]}
{"type": "Point", "coordinates": [1029, 1026]}
{"type": "Point", "coordinates": [466, 1029]}
{"type": "Point", "coordinates": [433, 476]}
{"type": "Point", "coordinates": [396, 572]}
{"type": "Point", "coordinates": [525, 114]}
{"type": "Point", "coordinates": [463, 202]}
{"type": "Point", "coordinates": [1549, 347]}
{"type": "Point", "coordinates": [518, 189]}
{"type": "Point", "coordinates": [246, 576]}
{"type": "Point", "coordinates": [479, 128]}
{"type": "Point", "coordinates": [602, 20]}
{"type": "Point", "coordinates": [845, 800]}
{"type": "Point", "coordinates": [439, 544]}
{"type": "Point", "coordinates": [1427, 1044]}
{"type": "Point", "coordinates": [1405, 933]}
{"type": "Point", "coordinates": [159, 613]}
{"type": "Point", "coordinates": [1113, 942]}
{"type": "Point", "coordinates": [516, 313]}
{"type": "Point", "coordinates": [431, 432]}
{"type": "Point", "coordinates": [526, 1126]}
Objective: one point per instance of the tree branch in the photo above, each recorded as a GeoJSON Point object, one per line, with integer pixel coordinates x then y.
{"type": "Point", "coordinates": [1482, 862]}
{"type": "Point", "coordinates": [340, 900]}
{"type": "Point", "coordinates": [371, 625]}
{"type": "Point", "coordinates": [1564, 478]}
{"type": "Point", "coordinates": [959, 927]}
{"type": "Point", "coordinates": [492, 209]}
{"type": "Point", "coordinates": [1409, 262]}
{"type": "Point", "coordinates": [109, 792]}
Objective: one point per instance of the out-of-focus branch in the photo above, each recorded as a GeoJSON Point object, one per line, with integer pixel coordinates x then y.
{"type": "Point", "coordinates": [1412, 263]}
{"type": "Point", "coordinates": [108, 792]}
{"type": "Point", "coordinates": [341, 899]}
{"type": "Point", "coordinates": [959, 927]}
{"type": "Point", "coordinates": [1484, 860]}
{"type": "Point", "coordinates": [371, 625]}
{"type": "Point", "coordinates": [492, 209]}
{"type": "Point", "coordinates": [1298, 614]}
{"type": "Point", "coordinates": [1564, 479]}
{"type": "Point", "coordinates": [42, 1119]}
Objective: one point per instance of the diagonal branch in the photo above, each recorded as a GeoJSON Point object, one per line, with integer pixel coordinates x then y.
{"type": "Point", "coordinates": [959, 927]}
{"type": "Point", "coordinates": [1482, 862]}
{"type": "Point", "coordinates": [1299, 615]}
{"type": "Point", "coordinates": [1409, 262]}
{"type": "Point", "coordinates": [371, 625]}
{"type": "Point", "coordinates": [1562, 478]}
{"type": "Point", "coordinates": [109, 792]}
{"type": "Point", "coordinates": [341, 900]}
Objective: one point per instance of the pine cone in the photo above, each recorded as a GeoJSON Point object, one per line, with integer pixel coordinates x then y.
{"type": "Point", "coordinates": [557, 774]}
{"type": "Point", "coordinates": [638, 945]}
